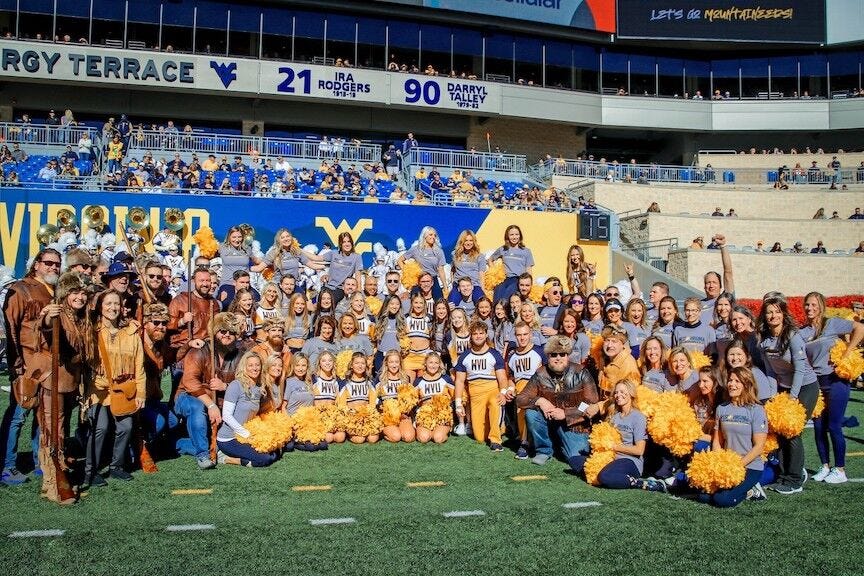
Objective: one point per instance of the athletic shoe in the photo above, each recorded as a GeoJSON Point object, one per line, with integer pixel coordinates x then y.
{"type": "Point", "coordinates": [120, 474]}
{"type": "Point", "coordinates": [460, 430]}
{"type": "Point", "coordinates": [522, 453]}
{"type": "Point", "coordinates": [821, 474]}
{"type": "Point", "coordinates": [836, 476]}
{"type": "Point", "coordinates": [12, 477]}
{"type": "Point", "coordinates": [221, 457]}
{"type": "Point", "coordinates": [809, 424]}
{"type": "Point", "coordinates": [651, 485]}
{"type": "Point", "coordinates": [96, 481]}
{"type": "Point", "coordinates": [541, 459]}
{"type": "Point", "coordinates": [495, 447]}
{"type": "Point", "coordinates": [804, 476]}
{"type": "Point", "coordinates": [204, 463]}
{"type": "Point", "coordinates": [757, 493]}
{"type": "Point", "coordinates": [786, 489]}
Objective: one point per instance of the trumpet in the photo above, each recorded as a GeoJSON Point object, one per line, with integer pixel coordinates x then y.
{"type": "Point", "coordinates": [94, 218]}
{"type": "Point", "coordinates": [66, 219]}
{"type": "Point", "coordinates": [174, 219]}
{"type": "Point", "coordinates": [248, 233]}
{"type": "Point", "coordinates": [137, 218]}
{"type": "Point", "coordinates": [47, 234]}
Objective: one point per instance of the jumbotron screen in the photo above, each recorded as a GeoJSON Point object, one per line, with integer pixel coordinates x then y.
{"type": "Point", "coordinates": [787, 21]}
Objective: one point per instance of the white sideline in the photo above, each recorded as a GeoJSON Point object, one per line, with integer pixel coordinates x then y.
{"type": "Point", "coordinates": [463, 513]}
{"type": "Point", "coordinates": [189, 527]}
{"type": "Point", "coordinates": [38, 533]}
{"type": "Point", "coordinates": [580, 504]}
{"type": "Point", "coordinates": [330, 521]}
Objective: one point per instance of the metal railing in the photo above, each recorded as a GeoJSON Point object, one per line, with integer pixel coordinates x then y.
{"type": "Point", "coordinates": [48, 135]}
{"type": "Point", "coordinates": [654, 252]}
{"type": "Point", "coordinates": [466, 160]}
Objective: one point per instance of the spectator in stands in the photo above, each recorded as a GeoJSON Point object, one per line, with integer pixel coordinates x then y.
{"type": "Point", "coordinates": [859, 175]}
{"type": "Point", "coordinates": [238, 165]}
{"type": "Point", "coordinates": [857, 215]}
{"type": "Point", "coordinates": [713, 245]}
{"type": "Point", "coordinates": [69, 155]}
{"type": "Point", "coordinates": [819, 249]}
{"type": "Point", "coordinates": [85, 144]}
{"type": "Point", "coordinates": [67, 122]}
{"type": "Point", "coordinates": [409, 143]}
{"type": "Point", "coordinates": [731, 213]}
{"type": "Point", "coordinates": [834, 166]}
{"type": "Point", "coordinates": [820, 214]}
{"type": "Point", "coordinates": [54, 123]}
{"type": "Point", "coordinates": [210, 164]}
{"type": "Point", "coordinates": [698, 243]}
{"type": "Point", "coordinates": [859, 251]}
{"type": "Point", "coordinates": [760, 246]}
{"type": "Point", "coordinates": [814, 174]}
{"type": "Point", "coordinates": [798, 248]}
{"type": "Point", "coordinates": [698, 95]}
{"type": "Point", "coordinates": [654, 207]}
{"type": "Point", "coordinates": [718, 212]}
{"type": "Point", "coordinates": [49, 171]}
{"type": "Point", "coordinates": [124, 129]}
{"type": "Point", "coordinates": [18, 155]}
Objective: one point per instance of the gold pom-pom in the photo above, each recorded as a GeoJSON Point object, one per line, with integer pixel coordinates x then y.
{"type": "Point", "coordinates": [493, 276]}
{"type": "Point", "coordinates": [820, 406]}
{"type": "Point", "coordinates": [845, 313]}
{"type": "Point", "coordinates": [536, 294]}
{"type": "Point", "coordinates": [674, 424]}
{"type": "Point", "coordinates": [595, 463]}
{"type": "Point", "coordinates": [267, 273]}
{"type": "Point", "coordinates": [786, 415]}
{"type": "Point", "coordinates": [334, 417]}
{"type": "Point", "coordinates": [364, 420]}
{"type": "Point", "coordinates": [715, 470]}
{"type": "Point", "coordinates": [390, 413]}
{"type": "Point", "coordinates": [771, 445]}
{"type": "Point", "coordinates": [596, 348]}
{"type": "Point", "coordinates": [646, 401]}
{"type": "Point", "coordinates": [206, 241]}
{"type": "Point", "coordinates": [604, 436]}
{"type": "Point", "coordinates": [268, 432]}
{"type": "Point", "coordinates": [343, 363]}
{"type": "Point", "coordinates": [699, 359]}
{"type": "Point", "coordinates": [374, 304]}
{"type": "Point", "coordinates": [404, 344]}
{"type": "Point", "coordinates": [408, 397]}
{"type": "Point", "coordinates": [435, 412]}
{"type": "Point", "coordinates": [410, 274]}
{"type": "Point", "coordinates": [849, 368]}
{"type": "Point", "coordinates": [309, 425]}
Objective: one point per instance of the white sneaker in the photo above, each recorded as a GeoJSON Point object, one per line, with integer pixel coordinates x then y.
{"type": "Point", "coordinates": [820, 476]}
{"type": "Point", "coordinates": [836, 476]}
{"type": "Point", "coordinates": [459, 430]}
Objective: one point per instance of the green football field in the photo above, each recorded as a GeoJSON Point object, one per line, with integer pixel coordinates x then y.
{"type": "Point", "coordinates": [253, 521]}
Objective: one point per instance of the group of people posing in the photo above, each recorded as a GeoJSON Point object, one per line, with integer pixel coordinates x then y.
{"type": "Point", "coordinates": [494, 353]}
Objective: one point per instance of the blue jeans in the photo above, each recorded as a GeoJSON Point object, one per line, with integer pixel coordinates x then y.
{"type": "Point", "coordinates": [736, 495]}
{"type": "Point", "coordinates": [618, 474]}
{"type": "Point", "coordinates": [547, 433]}
{"type": "Point", "coordinates": [197, 426]}
{"type": "Point", "coordinates": [830, 423]}
{"type": "Point", "coordinates": [15, 416]}
{"type": "Point", "coordinates": [247, 455]}
{"type": "Point", "coordinates": [157, 417]}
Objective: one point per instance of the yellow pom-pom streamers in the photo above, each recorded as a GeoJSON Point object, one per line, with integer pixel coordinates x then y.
{"type": "Point", "coordinates": [268, 432]}
{"type": "Point", "coordinates": [390, 413]}
{"type": "Point", "coordinates": [408, 397]}
{"type": "Point", "coordinates": [206, 241]}
{"type": "Point", "coordinates": [309, 425]}
{"type": "Point", "coordinates": [595, 463]}
{"type": "Point", "coordinates": [786, 416]}
{"type": "Point", "coordinates": [410, 274]}
{"type": "Point", "coordinates": [674, 424]}
{"type": "Point", "coordinates": [493, 276]}
{"type": "Point", "coordinates": [374, 304]}
{"type": "Point", "coordinates": [343, 363]}
{"type": "Point", "coordinates": [849, 368]}
{"type": "Point", "coordinates": [604, 436]}
{"type": "Point", "coordinates": [715, 470]}
{"type": "Point", "coordinates": [820, 406]}
{"type": "Point", "coordinates": [334, 417]}
{"type": "Point", "coordinates": [435, 412]}
{"type": "Point", "coordinates": [771, 445]}
{"type": "Point", "coordinates": [699, 359]}
{"type": "Point", "coordinates": [364, 420]}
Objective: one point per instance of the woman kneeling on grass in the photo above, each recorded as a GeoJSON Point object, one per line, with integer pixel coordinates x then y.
{"type": "Point", "coordinates": [392, 377]}
{"type": "Point", "coordinates": [241, 404]}
{"type": "Point", "coordinates": [358, 389]}
{"type": "Point", "coordinates": [741, 426]}
{"type": "Point", "coordinates": [431, 383]}
{"type": "Point", "coordinates": [326, 388]}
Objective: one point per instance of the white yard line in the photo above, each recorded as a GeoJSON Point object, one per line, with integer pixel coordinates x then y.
{"type": "Point", "coordinates": [464, 513]}
{"type": "Point", "coordinates": [331, 521]}
{"type": "Point", "coordinates": [54, 532]}
{"type": "Point", "coordinates": [189, 527]}
{"type": "Point", "coordinates": [571, 505]}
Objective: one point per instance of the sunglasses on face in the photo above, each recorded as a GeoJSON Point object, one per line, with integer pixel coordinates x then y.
{"type": "Point", "coordinates": [154, 276]}
{"type": "Point", "coordinates": [52, 263]}
{"type": "Point", "coordinates": [159, 322]}
{"type": "Point", "coordinates": [224, 332]}
{"type": "Point", "coordinates": [85, 267]}
{"type": "Point", "coordinates": [577, 302]}
{"type": "Point", "coordinates": [555, 292]}
{"type": "Point", "coordinates": [392, 281]}
{"type": "Point", "coordinates": [557, 354]}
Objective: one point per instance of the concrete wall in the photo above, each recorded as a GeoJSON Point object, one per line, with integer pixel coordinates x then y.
{"type": "Point", "coordinates": [836, 234]}
{"type": "Point", "coordinates": [772, 161]}
{"type": "Point", "coordinates": [756, 274]}
{"type": "Point", "coordinates": [797, 203]}
{"type": "Point", "coordinates": [534, 139]}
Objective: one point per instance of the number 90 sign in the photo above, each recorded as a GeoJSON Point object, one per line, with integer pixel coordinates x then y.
{"type": "Point", "coordinates": [429, 92]}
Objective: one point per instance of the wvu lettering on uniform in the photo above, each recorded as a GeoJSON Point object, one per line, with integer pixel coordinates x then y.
{"type": "Point", "coordinates": [388, 389]}
{"type": "Point", "coordinates": [522, 367]}
{"type": "Point", "coordinates": [482, 387]}
{"type": "Point", "coordinates": [358, 392]}
{"type": "Point", "coordinates": [457, 345]}
{"type": "Point", "coordinates": [325, 389]}
{"type": "Point", "coordinates": [430, 388]}
{"type": "Point", "coordinates": [418, 327]}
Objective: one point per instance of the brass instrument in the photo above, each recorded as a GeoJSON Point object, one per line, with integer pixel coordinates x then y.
{"type": "Point", "coordinates": [174, 219]}
{"type": "Point", "coordinates": [248, 233]}
{"type": "Point", "coordinates": [138, 218]}
{"type": "Point", "coordinates": [66, 220]}
{"type": "Point", "coordinates": [47, 234]}
{"type": "Point", "coordinates": [94, 218]}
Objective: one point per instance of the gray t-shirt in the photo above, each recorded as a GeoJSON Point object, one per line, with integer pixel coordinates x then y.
{"type": "Point", "coordinates": [516, 260]}
{"type": "Point", "coordinates": [819, 349]}
{"type": "Point", "coordinates": [341, 267]}
{"type": "Point", "coordinates": [287, 263]}
{"type": "Point", "coordinates": [233, 259]}
{"type": "Point", "coordinates": [296, 395]}
{"type": "Point", "coordinates": [356, 343]}
{"type": "Point", "coordinates": [656, 380]}
{"type": "Point", "coordinates": [632, 428]}
{"type": "Point", "coordinates": [472, 269]}
{"type": "Point", "coordinates": [428, 258]}
{"type": "Point", "coordinates": [636, 334]}
{"type": "Point", "coordinates": [581, 348]}
{"type": "Point", "coordinates": [246, 406]}
{"type": "Point", "coordinates": [791, 368]}
{"type": "Point", "coordinates": [766, 387]}
{"type": "Point", "coordinates": [686, 383]}
{"type": "Point", "coordinates": [313, 347]}
{"type": "Point", "coordinates": [738, 424]}
{"type": "Point", "coordinates": [389, 340]}
{"type": "Point", "coordinates": [694, 338]}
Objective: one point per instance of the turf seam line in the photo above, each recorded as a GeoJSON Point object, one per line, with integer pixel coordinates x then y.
{"type": "Point", "coordinates": [192, 492]}
{"type": "Point", "coordinates": [331, 521]}
{"type": "Point", "coordinates": [189, 527]}
{"type": "Point", "coordinates": [312, 488]}
{"type": "Point", "coordinates": [463, 513]}
{"type": "Point", "coordinates": [853, 454]}
{"type": "Point", "coordinates": [53, 532]}
{"type": "Point", "coordinates": [571, 505]}
{"type": "Point", "coordinates": [427, 484]}
{"type": "Point", "coordinates": [856, 479]}
{"type": "Point", "coordinates": [529, 478]}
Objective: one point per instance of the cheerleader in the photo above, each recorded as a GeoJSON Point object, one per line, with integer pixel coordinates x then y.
{"type": "Point", "coordinates": [325, 306]}
{"type": "Point", "coordinates": [482, 370]}
{"type": "Point", "coordinates": [298, 390]}
{"type": "Point", "coordinates": [743, 325]}
{"type": "Point", "coordinates": [784, 352]}
{"type": "Point", "coordinates": [592, 317]}
{"type": "Point", "coordinates": [360, 311]}
{"type": "Point", "coordinates": [350, 339]}
{"type": "Point", "coordinates": [483, 313]}
{"type": "Point", "coordinates": [636, 316]}
{"type": "Point", "coordinates": [431, 383]}
{"type": "Point", "coordinates": [326, 389]}
{"type": "Point", "coordinates": [576, 302]}
{"type": "Point", "coordinates": [389, 330]}
{"type": "Point", "coordinates": [324, 339]}
{"type": "Point", "coordinates": [269, 307]}
{"type": "Point", "coordinates": [741, 425]}
{"type": "Point", "coordinates": [358, 389]}
{"type": "Point", "coordinates": [580, 274]}
{"type": "Point", "coordinates": [528, 315]}
{"type": "Point", "coordinates": [680, 370]}
{"type": "Point", "coordinates": [429, 256]}
{"type": "Point", "coordinates": [517, 260]}
{"type": "Point", "coordinates": [524, 361]}
{"type": "Point", "coordinates": [722, 322]}
{"type": "Point", "coordinates": [235, 254]}
{"type": "Point", "coordinates": [652, 364]}
{"type": "Point", "coordinates": [738, 356]}
{"type": "Point", "coordinates": [502, 327]}
{"type": "Point", "coordinates": [694, 334]}
{"type": "Point", "coordinates": [298, 322]}
{"type": "Point", "coordinates": [820, 334]}
{"type": "Point", "coordinates": [571, 326]}
{"type": "Point", "coordinates": [418, 329]}
{"type": "Point", "coordinates": [392, 377]}
{"type": "Point", "coordinates": [468, 262]}
{"type": "Point", "coordinates": [243, 306]}
{"type": "Point", "coordinates": [667, 320]}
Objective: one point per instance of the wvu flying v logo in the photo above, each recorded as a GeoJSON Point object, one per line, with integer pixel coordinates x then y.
{"type": "Point", "coordinates": [227, 72]}
{"type": "Point", "coordinates": [333, 232]}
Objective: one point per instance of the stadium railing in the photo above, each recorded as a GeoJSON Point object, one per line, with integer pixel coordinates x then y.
{"type": "Point", "coordinates": [467, 160]}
